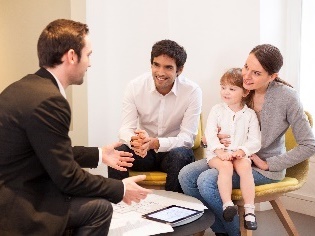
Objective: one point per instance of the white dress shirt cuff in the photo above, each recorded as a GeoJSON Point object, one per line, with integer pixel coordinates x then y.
{"type": "Point", "coordinates": [100, 154]}
{"type": "Point", "coordinates": [164, 145]}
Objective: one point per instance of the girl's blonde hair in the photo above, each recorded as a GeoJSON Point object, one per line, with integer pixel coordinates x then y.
{"type": "Point", "coordinates": [233, 77]}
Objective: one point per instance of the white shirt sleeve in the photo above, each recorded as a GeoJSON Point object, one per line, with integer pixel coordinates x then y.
{"type": "Point", "coordinates": [211, 132]}
{"type": "Point", "coordinates": [253, 141]}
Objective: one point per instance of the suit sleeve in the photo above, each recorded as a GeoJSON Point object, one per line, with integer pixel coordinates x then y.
{"type": "Point", "coordinates": [86, 157]}
{"type": "Point", "coordinates": [47, 131]}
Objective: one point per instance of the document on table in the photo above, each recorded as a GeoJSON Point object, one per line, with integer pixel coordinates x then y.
{"type": "Point", "coordinates": [127, 219]}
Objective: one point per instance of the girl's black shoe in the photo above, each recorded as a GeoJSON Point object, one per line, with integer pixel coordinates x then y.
{"type": "Point", "coordinates": [229, 213]}
{"type": "Point", "coordinates": [250, 225]}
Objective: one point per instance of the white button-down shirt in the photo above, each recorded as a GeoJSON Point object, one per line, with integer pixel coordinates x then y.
{"type": "Point", "coordinates": [242, 126]}
{"type": "Point", "coordinates": [172, 118]}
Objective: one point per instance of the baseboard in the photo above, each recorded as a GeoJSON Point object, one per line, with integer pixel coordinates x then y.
{"type": "Point", "coordinates": [263, 206]}
{"type": "Point", "coordinates": [299, 203]}
{"type": "Point", "coordinates": [293, 202]}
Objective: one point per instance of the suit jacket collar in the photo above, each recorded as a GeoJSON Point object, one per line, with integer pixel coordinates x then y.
{"type": "Point", "coordinates": [42, 72]}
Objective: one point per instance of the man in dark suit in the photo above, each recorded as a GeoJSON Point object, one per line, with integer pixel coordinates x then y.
{"type": "Point", "coordinates": [43, 189]}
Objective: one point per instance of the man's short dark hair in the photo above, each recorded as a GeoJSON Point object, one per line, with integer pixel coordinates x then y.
{"type": "Point", "coordinates": [59, 37]}
{"type": "Point", "coordinates": [171, 49]}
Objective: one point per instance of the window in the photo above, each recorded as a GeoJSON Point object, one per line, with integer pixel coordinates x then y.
{"type": "Point", "coordinates": [307, 72]}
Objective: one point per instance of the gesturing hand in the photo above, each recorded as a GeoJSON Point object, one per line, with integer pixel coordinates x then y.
{"type": "Point", "coordinates": [134, 192]}
{"type": "Point", "coordinates": [116, 159]}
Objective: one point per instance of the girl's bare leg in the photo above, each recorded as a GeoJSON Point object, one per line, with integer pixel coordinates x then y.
{"type": "Point", "coordinates": [244, 170]}
{"type": "Point", "coordinates": [225, 169]}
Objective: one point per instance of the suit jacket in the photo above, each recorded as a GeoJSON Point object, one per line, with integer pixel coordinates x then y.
{"type": "Point", "coordinates": [39, 170]}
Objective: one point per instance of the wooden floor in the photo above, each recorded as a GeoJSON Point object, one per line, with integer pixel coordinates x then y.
{"type": "Point", "coordinates": [270, 225]}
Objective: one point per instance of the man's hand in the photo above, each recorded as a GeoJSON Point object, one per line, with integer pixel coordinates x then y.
{"type": "Point", "coordinates": [261, 164]}
{"type": "Point", "coordinates": [116, 159]}
{"type": "Point", "coordinates": [134, 192]}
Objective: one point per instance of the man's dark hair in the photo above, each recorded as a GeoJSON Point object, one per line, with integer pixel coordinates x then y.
{"type": "Point", "coordinates": [171, 49]}
{"type": "Point", "coordinates": [59, 37]}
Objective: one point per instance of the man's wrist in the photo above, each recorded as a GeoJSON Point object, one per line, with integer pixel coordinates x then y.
{"type": "Point", "coordinates": [154, 143]}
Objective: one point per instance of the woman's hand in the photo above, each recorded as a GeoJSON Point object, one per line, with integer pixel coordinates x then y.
{"type": "Point", "coordinates": [261, 164]}
{"type": "Point", "coordinates": [224, 139]}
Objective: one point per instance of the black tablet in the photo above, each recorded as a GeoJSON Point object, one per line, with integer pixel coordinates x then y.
{"type": "Point", "coordinates": [174, 215]}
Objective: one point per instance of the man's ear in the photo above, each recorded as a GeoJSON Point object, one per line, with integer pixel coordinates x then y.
{"type": "Point", "coordinates": [71, 56]}
{"type": "Point", "coordinates": [179, 71]}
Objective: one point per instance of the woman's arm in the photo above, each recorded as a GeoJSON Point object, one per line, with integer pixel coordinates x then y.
{"type": "Point", "coordinates": [295, 116]}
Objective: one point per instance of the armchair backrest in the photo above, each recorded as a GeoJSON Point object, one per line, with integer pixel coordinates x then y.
{"type": "Point", "coordinates": [197, 142]}
{"type": "Point", "coordinates": [300, 170]}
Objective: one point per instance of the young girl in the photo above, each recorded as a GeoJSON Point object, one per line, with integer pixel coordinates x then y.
{"type": "Point", "coordinates": [234, 118]}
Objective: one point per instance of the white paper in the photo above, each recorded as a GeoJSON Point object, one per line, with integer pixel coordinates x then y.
{"type": "Point", "coordinates": [139, 227]}
{"type": "Point", "coordinates": [127, 219]}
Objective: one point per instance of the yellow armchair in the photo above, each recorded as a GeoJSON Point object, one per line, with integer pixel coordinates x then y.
{"type": "Point", "coordinates": [295, 177]}
{"type": "Point", "coordinates": [157, 179]}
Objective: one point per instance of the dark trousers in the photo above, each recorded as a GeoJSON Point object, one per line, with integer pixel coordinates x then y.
{"type": "Point", "coordinates": [169, 162]}
{"type": "Point", "coordinates": [89, 216]}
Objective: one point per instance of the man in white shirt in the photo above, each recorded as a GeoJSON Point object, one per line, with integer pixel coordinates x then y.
{"type": "Point", "coordinates": [160, 116]}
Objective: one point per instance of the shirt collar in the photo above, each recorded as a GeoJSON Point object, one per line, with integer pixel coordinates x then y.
{"type": "Point", "coordinates": [173, 90]}
{"type": "Point", "coordinates": [240, 111]}
{"type": "Point", "coordinates": [61, 89]}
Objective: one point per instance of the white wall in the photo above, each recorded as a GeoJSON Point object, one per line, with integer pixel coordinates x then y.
{"type": "Point", "coordinates": [217, 35]}
{"type": "Point", "coordinates": [280, 22]}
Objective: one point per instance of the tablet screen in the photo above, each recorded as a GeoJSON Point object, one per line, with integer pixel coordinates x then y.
{"type": "Point", "coordinates": [172, 214]}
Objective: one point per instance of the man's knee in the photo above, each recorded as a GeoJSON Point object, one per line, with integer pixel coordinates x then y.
{"type": "Point", "coordinates": [124, 148]}
{"type": "Point", "coordinates": [116, 174]}
{"type": "Point", "coordinates": [181, 155]}
{"type": "Point", "coordinates": [99, 207]}
{"type": "Point", "coordinates": [89, 216]}
{"type": "Point", "coordinates": [105, 207]}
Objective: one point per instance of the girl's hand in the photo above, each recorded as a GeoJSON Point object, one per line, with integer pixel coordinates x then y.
{"type": "Point", "coordinates": [238, 154]}
{"type": "Point", "coordinates": [223, 155]}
